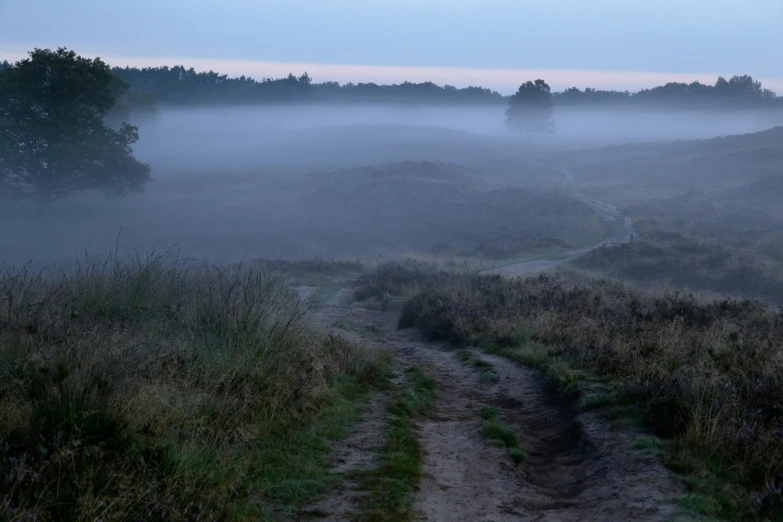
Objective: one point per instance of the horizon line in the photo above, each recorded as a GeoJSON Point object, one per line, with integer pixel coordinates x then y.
{"type": "Point", "coordinates": [497, 79]}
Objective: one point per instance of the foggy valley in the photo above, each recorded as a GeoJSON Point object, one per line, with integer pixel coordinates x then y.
{"type": "Point", "coordinates": [219, 169]}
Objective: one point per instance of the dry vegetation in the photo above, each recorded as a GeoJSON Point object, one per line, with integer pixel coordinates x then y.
{"type": "Point", "coordinates": [427, 207]}
{"type": "Point", "coordinates": [147, 389]}
{"type": "Point", "coordinates": [704, 375]}
{"type": "Point", "coordinates": [674, 260]}
{"type": "Point", "coordinates": [728, 242]}
{"type": "Point", "coordinates": [397, 279]}
{"type": "Point", "coordinates": [629, 173]}
{"type": "Point", "coordinates": [746, 218]}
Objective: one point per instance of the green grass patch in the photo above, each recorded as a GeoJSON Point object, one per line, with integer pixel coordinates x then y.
{"type": "Point", "coordinates": [710, 491]}
{"type": "Point", "coordinates": [486, 372]}
{"type": "Point", "coordinates": [518, 455]}
{"type": "Point", "coordinates": [392, 485]}
{"type": "Point", "coordinates": [501, 434]}
{"type": "Point", "coordinates": [489, 413]}
{"type": "Point", "coordinates": [290, 468]}
{"type": "Point", "coordinates": [517, 348]}
{"type": "Point", "coordinates": [700, 504]}
{"type": "Point", "coordinates": [652, 445]}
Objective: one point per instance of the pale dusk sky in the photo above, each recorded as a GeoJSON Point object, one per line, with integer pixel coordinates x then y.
{"type": "Point", "coordinates": [620, 44]}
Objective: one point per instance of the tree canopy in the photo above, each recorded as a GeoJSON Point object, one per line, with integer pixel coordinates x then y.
{"type": "Point", "coordinates": [54, 139]}
{"type": "Point", "coordinates": [180, 86]}
{"type": "Point", "coordinates": [738, 92]}
{"type": "Point", "coordinates": [530, 109]}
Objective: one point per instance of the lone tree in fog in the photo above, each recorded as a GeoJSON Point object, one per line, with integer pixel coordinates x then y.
{"type": "Point", "coordinates": [530, 109]}
{"type": "Point", "coordinates": [54, 140]}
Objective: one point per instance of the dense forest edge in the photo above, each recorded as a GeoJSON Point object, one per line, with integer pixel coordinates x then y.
{"type": "Point", "coordinates": [181, 86]}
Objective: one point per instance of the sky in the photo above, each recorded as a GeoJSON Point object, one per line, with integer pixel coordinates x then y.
{"type": "Point", "coordinates": [621, 44]}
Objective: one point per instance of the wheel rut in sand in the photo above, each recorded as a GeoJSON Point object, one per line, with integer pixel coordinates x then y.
{"type": "Point", "coordinates": [357, 452]}
{"type": "Point", "coordinates": [578, 467]}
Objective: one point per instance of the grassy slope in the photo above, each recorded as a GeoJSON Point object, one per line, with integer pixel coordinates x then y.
{"type": "Point", "coordinates": [429, 207]}
{"type": "Point", "coordinates": [678, 261]}
{"type": "Point", "coordinates": [627, 173]}
{"type": "Point", "coordinates": [140, 389]}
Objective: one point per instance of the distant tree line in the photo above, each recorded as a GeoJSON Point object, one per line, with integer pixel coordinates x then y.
{"type": "Point", "coordinates": [187, 87]}
{"type": "Point", "coordinates": [736, 92]}
{"type": "Point", "coordinates": [180, 86]}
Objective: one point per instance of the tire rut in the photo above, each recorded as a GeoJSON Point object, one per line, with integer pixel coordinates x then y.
{"type": "Point", "coordinates": [357, 452]}
{"type": "Point", "coordinates": [578, 467]}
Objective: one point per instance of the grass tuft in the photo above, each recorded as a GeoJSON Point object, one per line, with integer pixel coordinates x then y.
{"type": "Point", "coordinates": [501, 434]}
{"type": "Point", "coordinates": [518, 455]}
{"type": "Point", "coordinates": [485, 370]}
{"type": "Point", "coordinates": [489, 413]}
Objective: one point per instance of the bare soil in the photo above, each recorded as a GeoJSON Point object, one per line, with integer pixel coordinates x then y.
{"type": "Point", "coordinates": [579, 466]}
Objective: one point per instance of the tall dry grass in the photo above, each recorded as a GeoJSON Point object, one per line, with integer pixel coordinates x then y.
{"type": "Point", "coordinates": [140, 387]}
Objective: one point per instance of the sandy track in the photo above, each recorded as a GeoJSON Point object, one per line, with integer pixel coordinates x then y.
{"type": "Point", "coordinates": [579, 467]}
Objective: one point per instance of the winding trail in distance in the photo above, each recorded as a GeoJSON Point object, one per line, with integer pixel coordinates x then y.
{"type": "Point", "coordinates": [607, 211]}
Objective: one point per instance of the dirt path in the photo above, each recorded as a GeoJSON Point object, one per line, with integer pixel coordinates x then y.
{"type": "Point", "coordinates": [607, 211]}
{"type": "Point", "coordinates": [358, 451]}
{"type": "Point", "coordinates": [579, 468]}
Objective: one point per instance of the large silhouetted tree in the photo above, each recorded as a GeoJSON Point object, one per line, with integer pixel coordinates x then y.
{"type": "Point", "coordinates": [54, 139]}
{"type": "Point", "coordinates": [530, 109]}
